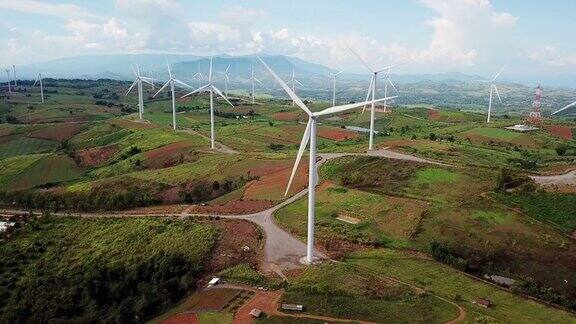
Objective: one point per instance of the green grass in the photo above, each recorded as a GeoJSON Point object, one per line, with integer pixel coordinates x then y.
{"type": "Point", "coordinates": [23, 145]}
{"type": "Point", "coordinates": [11, 168]}
{"type": "Point", "coordinates": [490, 217]}
{"type": "Point", "coordinates": [449, 283]}
{"type": "Point", "coordinates": [435, 175]}
{"type": "Point", "coordinates": [50, 169]}
{"type": "Point", "coordinates": [347, 291]}
{"type": "Point", "coordinates": [105, 270]}
{"type": "Point", "coordinates": [496, 133]}
{"type": "Point", "coordinates": [215, 318]}
{"type": "Point", "coordinates": [243, 273]}
{"type": "Point", "coordinates": [553, 208]}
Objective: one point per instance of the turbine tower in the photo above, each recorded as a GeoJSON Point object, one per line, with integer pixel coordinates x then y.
{"type": "Point", "coordinates": [387, 82]}
{"type": "Point", "coordinates": [138, 82]}
{"type": "Point", "coordinates": [310, 136]}
{"type": "Point", "coordinates": [9, 81]}
{"type": "Point", "coordinates": [172, 82]}
{"type": "Point", "coordinates": [372, 91]}
{"type": "Point", "coordinates": [493, 89]}
{"type": "Point", "coordinates": [198, 76]}
{"type": "Point", "coordinates": [294, 81]}
{"type": "Point", "coordinates": [14, 74]}
{"type": "Point", "coordinates": [334, 75]}
{"type": "Point", "coordinates": [211, 89]}
{"type": "Point", "coordinates": [39, 80]}
{"type": "Point", "coordinates": [254, 80]}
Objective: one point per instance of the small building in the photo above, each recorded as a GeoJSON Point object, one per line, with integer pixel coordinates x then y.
{"type": "Point", "coordinates": [255, 313]}
{"type": "Point", "coordinates": [522, 128]}
{"type": "Point", "coordinates": [213, 282]}
{"type": "Point", "coordinates": [502, 281]}
{"type": "Point", "coordinates": [486, 303]}
{"type": "Point", "coordinates": [293, 307]}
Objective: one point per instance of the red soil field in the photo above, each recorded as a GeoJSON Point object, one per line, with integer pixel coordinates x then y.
{"type": "Point", "coordinates": [57, 133]}
{"type": "Point", "coordinates": [233, 207]}
{"type": "Point", "coordinates": [285, 116]}
{"type": "Point", "coordinates": [337, 134]}
{"type": "Point", "coordinates": [96, 156]}
{"type": "Point", "coordinates": [272, 186]}
{"type": "Point", "coordinates": [561, 131]}
{"type": "Point", "coordinates": [433, 114]}
{"type": "Point", "coordinates": [183, 318]}
{"type": "Point", "coordinates": [169, 155]}
{"type": "Point", "coordinates": [267, 301]}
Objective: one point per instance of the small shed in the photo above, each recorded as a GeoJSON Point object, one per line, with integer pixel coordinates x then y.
{"type": "Point", "coordinates": [213, 282]}
{"type": "Point", "coordinates": [486, 303]}
{"type": "Point", "coordinates": [255, 313]}
{"type": "Point", "coordinates": [293, 307]}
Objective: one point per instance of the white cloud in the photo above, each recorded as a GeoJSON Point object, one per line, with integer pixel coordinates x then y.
{"type": "Point", "coordinates": [48, 9]}
{"type": "Point", "coordinates": [549, 56]}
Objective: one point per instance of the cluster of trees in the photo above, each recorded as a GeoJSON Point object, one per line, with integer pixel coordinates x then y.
{"type": "Point", "coordinates": [509, 179]}
{"type": "Point", "coordinates": [532, 288]}
{"type": "Point", "coordinates": [443, 254]}
{"type": "Point", "coordinates": [204, 190]}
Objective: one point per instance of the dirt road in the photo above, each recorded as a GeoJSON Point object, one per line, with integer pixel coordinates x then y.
{"type": "Point", "coordinates": [567, 179]}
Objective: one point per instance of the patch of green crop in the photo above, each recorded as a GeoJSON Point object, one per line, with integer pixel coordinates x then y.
{"type": "Point", "coordinates": [243, 273]}
{"type": "Point", "coordinates": [435, 175]}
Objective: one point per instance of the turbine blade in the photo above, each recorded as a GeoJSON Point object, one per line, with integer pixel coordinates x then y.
{"type": "Point", "coordinates": [221, 95]}
{"type": "Point", "coordinates": [393, 86]}
{"type": "Point", "coordinates": [341, 108]}
{"type": "Point", "coordinates": [286, 88]}
{"type": "Point", "coordinates": [169, 71]}
{"type": "Point", "coordinates": [196, 91]}
{"type": "Point", "coordinates": [255, 79]}
{"type": "Point", "coordinates": [360, 58]}
{"type": "Point", "coordinates": [303, 144]}
{"type": "Point", "coordinates": [337, 73]}
{"type": "Point", "coordinates": [298, 82]}
{"type": "Point", "coordinates": [183, 84]}
{"type": "Point", "coordinates": [497, 75]}
{"type": "Point", "coordinates": [389, 67]}
{"type": "Point", "coordinates": [369, 91]}
{"type": "Point", "coordinates": [163, 87]}
{"type": "Point", "coordinates": [210, 73]}
{"type": "Point", "coordinates": [36, 81]}
{"type": "Point", "coordinates": [226, 71]}
{"type": "Point", "coordinates": [569, 106]}
{"type": "Point", "coordinates": [497, 93]}
{"type": "Point", "coordinates": [131, 87]}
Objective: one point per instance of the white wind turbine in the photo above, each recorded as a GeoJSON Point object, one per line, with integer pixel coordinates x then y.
{"type": "Point", "coordinates": [493, 89]}
{"type": "Point", "coordinates": [226, 80]}
{"type": "Point", "coordinates": [198, 76]}
{"type": "Point", "coordinates": [334, 75]}
{"type": "Point", "coordinates": [568, 106]}
{"type": "Point", "coordinates": [39, 80]}
{"type": "Point", "coordinates": [138, 82]}
{"type": "Point", "coordinates": [294, 81]}
{"type": "Point", "coordinates": [14, 73]}
{"type": "Point", "coordinates": [9, 81]}
{"type": "Point", "coordinates": [310, 136]}
{"type": "Point", "coordinates": [387, 82]}
{"type": "Point", "coordinates": [211, 89]}
{"type": "Point", "coordinates": [172, 82]}
{"type": "Point", "coordinates": [254, 80]}
{"type": "Point", "coordinates": [151, 73]}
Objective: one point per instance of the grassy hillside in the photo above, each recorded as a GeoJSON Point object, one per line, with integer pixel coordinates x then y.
{"type": "Point", "coordinates": [110, 270]}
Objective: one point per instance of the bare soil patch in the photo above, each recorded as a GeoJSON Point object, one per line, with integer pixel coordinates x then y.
{"type": "Point", "coordinates": [285, 116]}
{"type": "Point", "coordinates": [433, 114]}
{"type": "Point", "coordinates": [183, 318]}
{"type": "Point", "coordinates": [337, 134]}
{"type": "Point", "coordinates": [272, 186]}
{"type": "Point", "coordinates": [126, 123]}
{"type": "Point", "coordinates": [562, 132]}
{"type": "Point", "coordinates": [170, 155]}
{"type": "Point", "coordinates": [57, 133]}
{"type": "Point", "coordinates": [95, 156]}
{"type": "Point", "coordinates": [267, 301]}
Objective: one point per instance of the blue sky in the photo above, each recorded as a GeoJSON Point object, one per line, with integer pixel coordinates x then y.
{"type": "Point", "coordinates": [531, 39]}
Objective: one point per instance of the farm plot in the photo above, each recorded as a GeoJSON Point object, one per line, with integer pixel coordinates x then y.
{"type": "Point", "coordinates": [336, 134]}
{"type": "Point", "coordinates": [11, 168]}
{"type": "Point", "coordinates": [19, 145]}
{"type": "Point", "coordinates": [485, 135]}
{"type": "Point", "coordinates": [58, 132]}
{"type": "Point", "coordinates": [50, 169]}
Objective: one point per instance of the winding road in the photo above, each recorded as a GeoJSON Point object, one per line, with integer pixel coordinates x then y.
{"type": "Point", "coordinates": [567, 179]}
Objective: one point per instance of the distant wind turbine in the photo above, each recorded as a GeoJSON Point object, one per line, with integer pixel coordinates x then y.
{"type": "Point", "coordinates": [372, 90]}
{"type": "Point", "coordinates": [493, 89]}
{"type": "Point", "coordinates": [226, 80]}
{"type": "Point", "coordinates": [334, 75]}
{"type": "Point", "coordinates": [138, 82]}
{"type": "Point", "coordinates": [39, 79]}
{"type": "Point", "coordinates": [198, 76]}
{"type": "Point", "coordinates": [310, 136]}
{"type": "Point", "coordinates": [387, 82]}
{"type": "Point", "coordinates": [152, 79]}
{"type": "Point", "coordinates": [9, 81]}
{"type": "Point", "coordinates": [172, 82]}
{"type": "Point", "coordinates": [211, 89]}
{"type": "Point", "coordinates": [254, 80]}
{"type": "Point", "coordinates": [14, 73]}
{"type": "Point", "coordinates": [294, 81]}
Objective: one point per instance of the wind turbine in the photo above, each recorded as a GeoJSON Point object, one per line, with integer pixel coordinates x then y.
{"type": "Point", "coordinates": [493, 89]}
{"type": "Point", "coordinates": [226, 80]}
{"type": "Point", "coordinates": [211, 89]}
{"type": "Point", "coordinates": [199, 76]}
{"type": "Point", "coordinates": [39, 80]}
{"type": "Point", "coordinates": [152, 79]}
{"type": "Point", "coordinates": [172, 82]}
{"type": "Point", "coordinates": [372, 90]}
{"type": "Point", "coordinates": [310, 136]}
{"type": "Point", "coordinates": [569, 106]}
{"type": "Point", "coordinates": [9, 81]}
{"type": "Point", "coordinates": [387, 82]}
{"type": "Point", "coordinates": [138, 82]}
{"type": "Point", "coordinates": [14, 73]}
{"type": "Point", "coordinates": [294, 81]}
{"type": "Point", "coordinates": [334, 75]}
{"type": "Point", "coordinates": [254, 80]}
